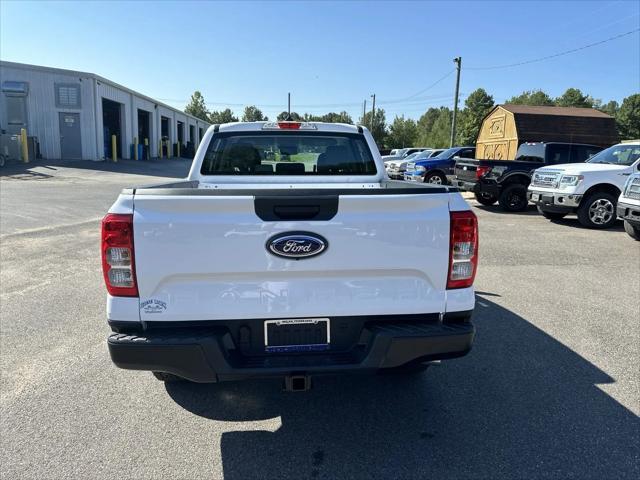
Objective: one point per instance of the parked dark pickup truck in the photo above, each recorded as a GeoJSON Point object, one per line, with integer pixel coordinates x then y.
{"type": "Point", "coordinates": [506, 181]}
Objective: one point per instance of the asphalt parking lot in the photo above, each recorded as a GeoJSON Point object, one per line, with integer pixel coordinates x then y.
{"type": "Point", "coordinates": [551, 389]}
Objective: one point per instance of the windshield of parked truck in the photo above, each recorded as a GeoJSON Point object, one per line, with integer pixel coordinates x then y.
{"type": "Point", "coordinates": [411, 157]}
{"type": "Point", "coordinates": [617, 155]}
{"type": "Point", "coordinates": [288, 153]}
{"type": "Point", "coordinates": [423, 155]}
{"type": "Point", "coordinates": [448, 153]}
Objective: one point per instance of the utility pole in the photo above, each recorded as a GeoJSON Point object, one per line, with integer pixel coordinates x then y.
{"type": "Point", "coordinates": [373, 114]}
{"type": "Point", "coordinates": [458, 62]}
{"type": "Point", "coordinates": [289, 106]}
{"type": "Point", "coordinates": [364, 113]}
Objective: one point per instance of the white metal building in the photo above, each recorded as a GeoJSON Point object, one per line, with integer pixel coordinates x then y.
{"type": "Point", "coordinates": [73, 114]}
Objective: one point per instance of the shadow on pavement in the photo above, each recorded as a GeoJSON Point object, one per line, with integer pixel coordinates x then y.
{"type": "Point", "coordinates": [170, 168]}
{"type": "Point", "coordinates": [531, 210]}
{"type": "Point", "coordinates": [520, 405]}
{"type": "Point", "coordinates": [573, 222]}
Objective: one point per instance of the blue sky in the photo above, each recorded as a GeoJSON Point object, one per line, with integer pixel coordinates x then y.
{"type": "Point", "coordinates": [331, 55]}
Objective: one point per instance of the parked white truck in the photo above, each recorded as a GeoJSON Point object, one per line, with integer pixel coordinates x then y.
{"type": "Point", "coordinates": [590, 189]}
{"type": "Point", "coordinates": [629, 206]}
{"type": "Point", "coordinates": [287, 252]}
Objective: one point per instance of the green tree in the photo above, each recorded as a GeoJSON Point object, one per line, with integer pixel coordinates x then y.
{"type": "Point", "coordinates": [628, 118]}
{"type": "Point", "coordinates": [440, 134]}
{"type": "Point", "coordinates": [425, 125]}
{"type": "Point", "coordinates": [434, 128]}
{"type": "Point", "coordinates": [378, 127]}
{"type": "Point", "coordinates": [295, 117]}
{"type": "Point", "coordinates": [225, 116]}
{"type": "Point", "coordinates": [403, 132]}
{"type": "Point", "coordinates": [532, 97]}
{"type": "Point", "coordinates": [573, 97]}
{"type": "Point", "coordinates": [610, 108]}
{"type": "Point", "coordinates": [332, 117]}
{"type": "Point", "coordinates": [253, 114]}
{"type": "Point", "coordinates": [478, 104]}
{"type": "Point", "coordinates": [197, 107]}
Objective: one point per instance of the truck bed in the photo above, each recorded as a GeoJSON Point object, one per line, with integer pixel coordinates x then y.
{"type": "Point", "coordinates": [466, 171]}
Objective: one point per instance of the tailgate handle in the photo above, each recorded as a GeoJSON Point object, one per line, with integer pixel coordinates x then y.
{"type": "Point", "coordinates": [296, 207]}
{"type": "Point", "coordinates": [296, 212]}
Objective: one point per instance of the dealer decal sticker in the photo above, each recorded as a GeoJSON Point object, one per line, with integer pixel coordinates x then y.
{"type": "Point", "coordinates": [153, 306]}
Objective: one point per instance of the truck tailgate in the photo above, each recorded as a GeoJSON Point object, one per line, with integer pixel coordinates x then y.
{"type": "Point", "coordinates": [465, 170]}
{"type": "Point", "coordinates": [204, 257]}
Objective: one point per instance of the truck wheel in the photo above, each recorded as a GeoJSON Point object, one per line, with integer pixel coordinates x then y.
{"type": "Point", "coordinates": [514, 198]}
{"type": "Point", "coordinates": [598, 210]}
{"type": "Point", "coordinates": [168, 377]}
{"type": "Point", "coordinates": [485, 199]}
{"type": "Point", "coordinates": [435, 178]}
{"type": "Point", "coordinates": [551, 215]}
{"type": "Point", "coordinates": [3, 161]}
{"type": "Point", "coordinates": [634, 232]}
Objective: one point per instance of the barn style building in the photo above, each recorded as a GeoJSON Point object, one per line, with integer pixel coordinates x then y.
{"type": "Point", "coordinates": [508, 126]}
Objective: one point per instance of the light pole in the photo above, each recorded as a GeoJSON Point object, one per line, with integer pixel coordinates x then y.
{"type": "Point", "coordinates": [373, 114]}
{"type": "Point", "coordinates": [458, 62]}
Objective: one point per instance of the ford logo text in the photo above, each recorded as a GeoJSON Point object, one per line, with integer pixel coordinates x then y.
{"type": "Point", "coordinates": [297, 245]}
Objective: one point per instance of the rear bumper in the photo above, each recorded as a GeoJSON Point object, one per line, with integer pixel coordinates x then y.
{"type": "Point", "coordinates": [462, 185]}
{"type": "Point", "coordinates": [202, 354]}
{"type": "Point", "coordinates": [630, 213]}
{"type": "Point", "coordinates": [492, 189]}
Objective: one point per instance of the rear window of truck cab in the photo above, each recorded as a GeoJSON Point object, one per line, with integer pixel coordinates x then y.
{"type": "Point", "coordinates": [288, 153]}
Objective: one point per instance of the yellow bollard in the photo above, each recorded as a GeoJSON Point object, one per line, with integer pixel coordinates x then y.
{"type": "Point", "coordinates": [169, 148]}
{"type": "Point", "coordinates": [135, 148]}
{"type": "Point", "coordinates": [146, 148]}
{"type": "Point", "coordinates": [24, 145]}
{"type": "Point", "coordinates": [178, 147]}
{"type": "Point", "coordinates": [114, 148]}
{"type": "Point", "coordinates": [159, 148]}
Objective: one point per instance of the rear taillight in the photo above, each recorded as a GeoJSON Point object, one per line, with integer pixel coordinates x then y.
{"type": "Point", "coordinates": [481, 171]}
{"type": "Point", "coordinates": [118, 264]}
{"type": "Point", "coordinates": [463, 249]}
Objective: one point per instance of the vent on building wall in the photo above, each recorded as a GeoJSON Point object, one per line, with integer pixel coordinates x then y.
{"type": "Point", "coordinates": [67, 95]}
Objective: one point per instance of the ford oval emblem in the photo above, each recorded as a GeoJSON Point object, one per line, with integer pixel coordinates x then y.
{"type": "Point", "coordinates": [297, 245]}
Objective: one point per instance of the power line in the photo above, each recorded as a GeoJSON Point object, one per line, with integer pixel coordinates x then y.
{"type": "Point", "coordinates": [566, 52]}
{"type": "Point", "coordinates": [400, 100]}
{"type": "Point", "coordinates": [410, 101]}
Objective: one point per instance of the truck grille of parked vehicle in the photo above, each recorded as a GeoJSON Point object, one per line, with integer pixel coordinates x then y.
{"type": "Point", "coordinates": [546, 179]}
{"type": "Point", "coordinates": [633, 189]}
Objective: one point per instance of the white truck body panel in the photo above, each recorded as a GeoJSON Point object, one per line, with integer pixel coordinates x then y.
{"type": "Point", "coordinates": [205, 259]}
{"type": "Point", "coordinates": [593, 173]}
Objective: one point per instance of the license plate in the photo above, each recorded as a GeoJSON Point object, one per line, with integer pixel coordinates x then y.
{"type": "Point", "coordinates": [535, 197]}
{"type": "Point", "coordinates": [297, 335]}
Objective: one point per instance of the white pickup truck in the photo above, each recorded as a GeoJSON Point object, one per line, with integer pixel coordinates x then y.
{"type": "Point", "coordinates": [629, 206]}
{"type": "Point", "coordinates": [287, 252]}
{"type": "Point", "coordinates": [590, 189]}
